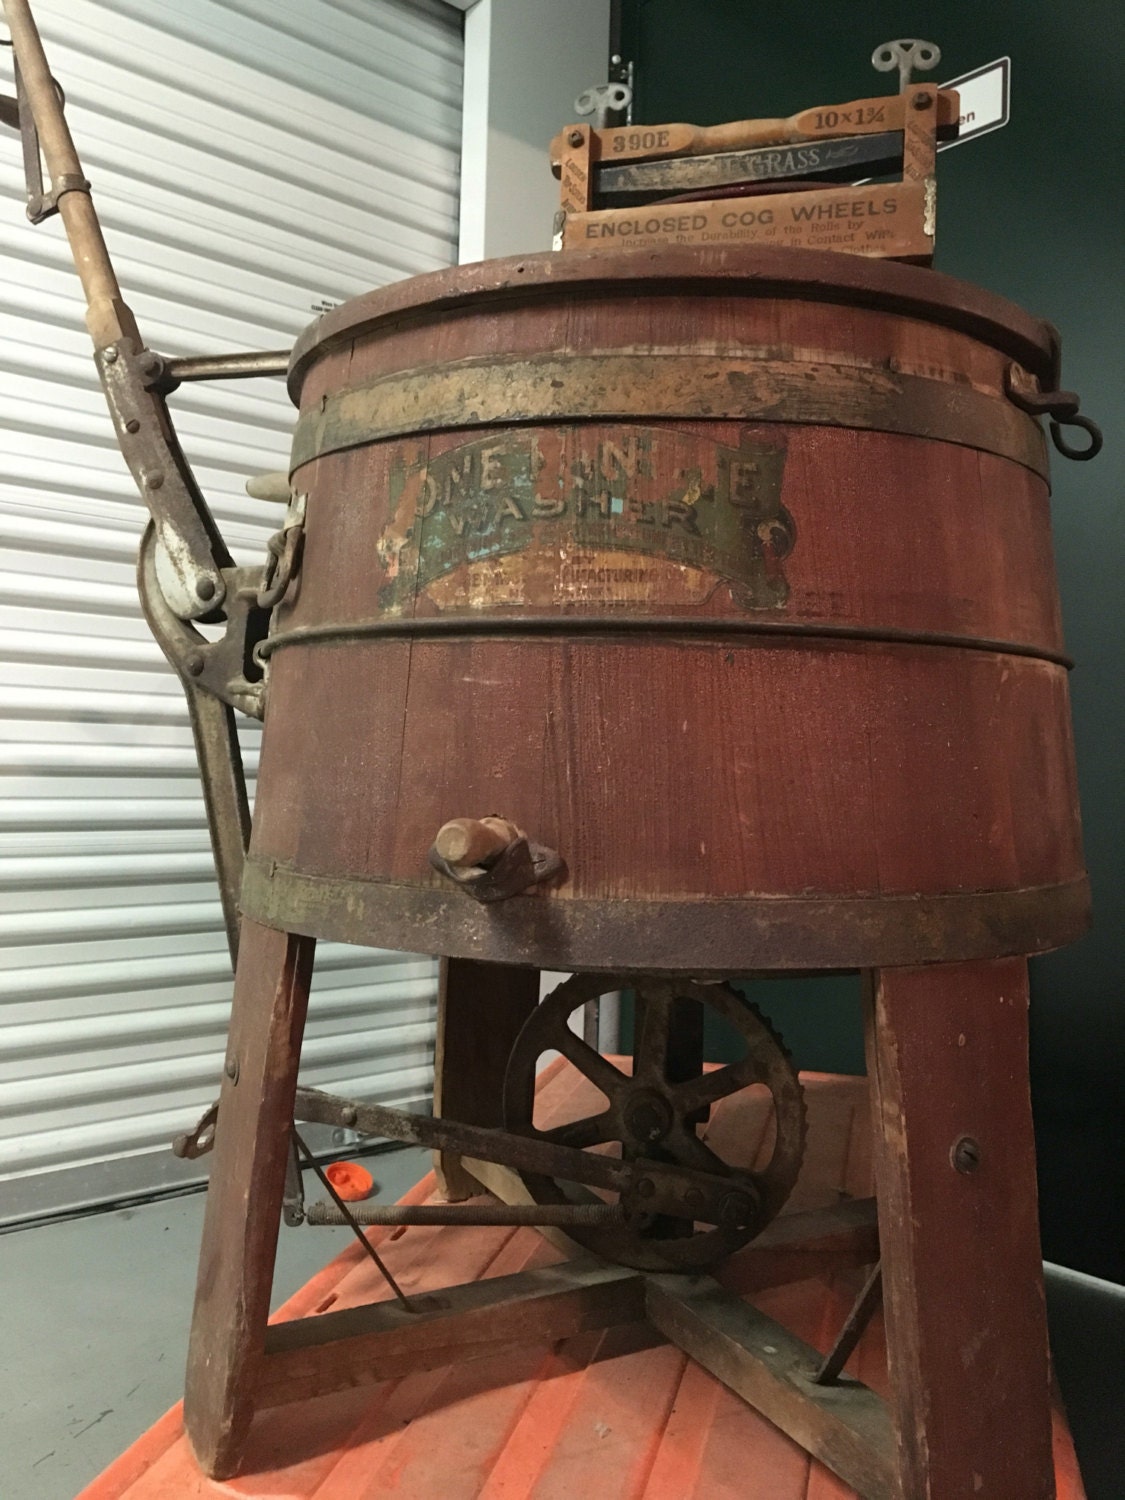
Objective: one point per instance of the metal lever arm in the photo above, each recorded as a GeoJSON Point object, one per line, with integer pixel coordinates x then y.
{"type": "Point", "coordinates": [186, 571]}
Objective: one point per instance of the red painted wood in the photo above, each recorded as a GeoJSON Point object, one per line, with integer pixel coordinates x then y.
{"type": "Point", "coordinates": [248, 1165]}
{"type": "Point", "coordinates": [663, 769]}
{"type": "Point", "coordinates": [966, 1321]}
{"type": "Point", "coordinates": [510, 1432]}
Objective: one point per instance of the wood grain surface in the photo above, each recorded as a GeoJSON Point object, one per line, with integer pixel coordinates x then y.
{"type": "Point", "coordinates": [678, 769]}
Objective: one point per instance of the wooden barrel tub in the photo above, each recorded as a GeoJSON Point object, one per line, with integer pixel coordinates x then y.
{"type": "Point", "coordinates": [727, 574]}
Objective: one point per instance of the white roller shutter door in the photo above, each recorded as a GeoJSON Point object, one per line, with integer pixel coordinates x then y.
{"type": "Point", "coordinates": [253, 161]}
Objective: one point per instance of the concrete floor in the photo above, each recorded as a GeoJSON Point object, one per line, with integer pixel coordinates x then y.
{"type": "Point", "coordinates": [95, 1323]}
{"type": "Point", "coordinates": [94, 1327]}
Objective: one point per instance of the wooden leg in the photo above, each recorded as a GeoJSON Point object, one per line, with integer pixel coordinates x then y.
{"type": "Point", "coordinates": [955, 1177]}
{"type": "Point", "coordinates": [243, 1212]}
{"type": "Point", "coordinates": [481, 1008]}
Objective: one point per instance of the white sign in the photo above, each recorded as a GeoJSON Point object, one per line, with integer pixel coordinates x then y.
{"type": "Point", "coordinates": [985, 95]}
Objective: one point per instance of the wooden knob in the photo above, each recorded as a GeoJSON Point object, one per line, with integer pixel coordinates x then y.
{"type": "Point", "coordinates": [472, 841]}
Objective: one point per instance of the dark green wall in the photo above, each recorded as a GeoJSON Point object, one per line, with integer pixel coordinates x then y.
{"type": "Point", "coordinates": [1035, 211]}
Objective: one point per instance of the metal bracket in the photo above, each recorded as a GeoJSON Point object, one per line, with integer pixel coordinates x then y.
{"type": "Point", "coordinates": [225, 668]}
{"type": "Point", "coordinates": [284, 554]}
{"type": "Point", "coordinates": [293, 1201]}
{"type": "Point", "coordinates": [521, 865]}
{"type": "Point", "coordinates": [194, 553]}
{"type": "Point", "coordinates": [198, 1141]}
{"type": "Point", "coordinates": [15, 112]}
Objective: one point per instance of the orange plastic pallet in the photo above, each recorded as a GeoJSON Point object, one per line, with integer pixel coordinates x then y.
{"type": "Point", "coordinates": [615, 1415]}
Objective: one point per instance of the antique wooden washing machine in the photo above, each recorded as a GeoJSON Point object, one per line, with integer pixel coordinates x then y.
{"type": "Point", "coordinates": [725, 575]}
{"type": "Point", "coordinates": [666, 616]}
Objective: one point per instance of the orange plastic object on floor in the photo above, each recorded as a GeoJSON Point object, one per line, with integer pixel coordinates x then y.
{"type": "Point", "coordinates": [350, 1180]}
{"type": "Point", "coordinates": [613, 1415]}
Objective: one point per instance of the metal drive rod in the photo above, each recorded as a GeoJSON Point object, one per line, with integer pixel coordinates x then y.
{"type": "Point", "coordinates": [523, 1153]}
{"type": "Point", "coordinates": [226, 366]}
{"type": "Point", "coordinates": [107, 316]}
{"type": "Point", "coordinates": [561, 1214]}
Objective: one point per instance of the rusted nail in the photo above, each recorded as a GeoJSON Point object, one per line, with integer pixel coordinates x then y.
{"type": "Point", "coordinates": [965, 1155]}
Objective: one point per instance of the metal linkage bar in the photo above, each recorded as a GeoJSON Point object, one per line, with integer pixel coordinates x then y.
{"type": "Point", "coordinates": [664, 1187]}
{"type": "Point", "coordinates": [563, 1215]}
{"type": "Point", "coordinates": [523, 1153]}
{"type": "Point", "coordinates": [849, 1336]}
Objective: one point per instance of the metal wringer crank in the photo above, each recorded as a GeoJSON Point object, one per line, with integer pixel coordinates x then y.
{"type": "Point", "coordinates": [570, 659]}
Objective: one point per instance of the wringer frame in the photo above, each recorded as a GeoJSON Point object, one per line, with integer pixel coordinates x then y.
{"type": "Point", "coordinates": [671, 610]}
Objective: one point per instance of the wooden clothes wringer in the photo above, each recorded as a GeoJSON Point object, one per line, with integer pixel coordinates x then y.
{"type": "Point", "coordinates": [802, 182]}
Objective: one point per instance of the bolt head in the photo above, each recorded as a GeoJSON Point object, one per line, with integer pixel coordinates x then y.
{"type": "Point", "coordinates": [694, 1199]}
{"type": "Point", "coordinates": [230, 1068]}
{"type": "Point", "coordinates": [349, 1116]}
{"type": "Point", "coordinates": [736, 1210]}
{"type": "Point", "coordinates": [965, 1155]}
{"type": "Point", "coordinates": [922, 101]}
{"type": "Point", "coordinates": [575, 138]}
{"type": "Point", "coordinates": [205, 587]}
{"type": "Point", "coordinates": [646, 1188]}
{"type": "Point", "coordinates": [110, 356]}
{"type": "Point", "coordinates": [133, 425]}
{"type": "Point", "coordinates": [648, 1117]}
{"type": "Point", "coordinates": [154, 478]}
{"type": "Point", "coordinates": [193, 664]}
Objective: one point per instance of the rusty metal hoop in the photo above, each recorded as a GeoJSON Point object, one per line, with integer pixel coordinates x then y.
{"type": "Point", "coordinates": [650, 1112]}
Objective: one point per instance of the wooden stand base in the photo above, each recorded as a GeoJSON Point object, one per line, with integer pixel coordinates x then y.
{"type": "Point", "coordinates": [954, 1167]}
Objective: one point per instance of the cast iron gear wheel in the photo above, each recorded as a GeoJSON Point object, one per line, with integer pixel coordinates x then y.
{"type": "Point", "coordinates": [653, 1114]}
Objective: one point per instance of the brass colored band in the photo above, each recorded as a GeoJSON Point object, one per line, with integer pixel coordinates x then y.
{"type": "Point", "coordinates": [714, 936]}
{"type": "Point", "coordinates": [666, 387]}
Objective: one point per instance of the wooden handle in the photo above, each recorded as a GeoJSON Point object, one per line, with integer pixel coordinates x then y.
{"type": "Point", "coordinates": [107, 316]}
{"type": "Point", "coordinates": [471, 841]}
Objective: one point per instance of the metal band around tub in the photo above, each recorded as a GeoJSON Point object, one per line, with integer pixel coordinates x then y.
{"type": "Point", "coordinates": [610, 626]}
{"type": "Point", "coordinates": [710, 935]}
{"type": "Point", "coordinates": [665, 387]}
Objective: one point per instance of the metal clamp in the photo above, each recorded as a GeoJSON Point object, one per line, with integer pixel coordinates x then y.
{"type": "Point", "coordinates": [283, 559]}
{"type": "Point", "coordinates": [16, 114]}
{"type": "Point", "coordinates": [1061, 407]}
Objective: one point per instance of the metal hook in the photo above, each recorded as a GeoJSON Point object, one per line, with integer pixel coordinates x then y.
{"type": "Point", "coordinates": [1080, 455]}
